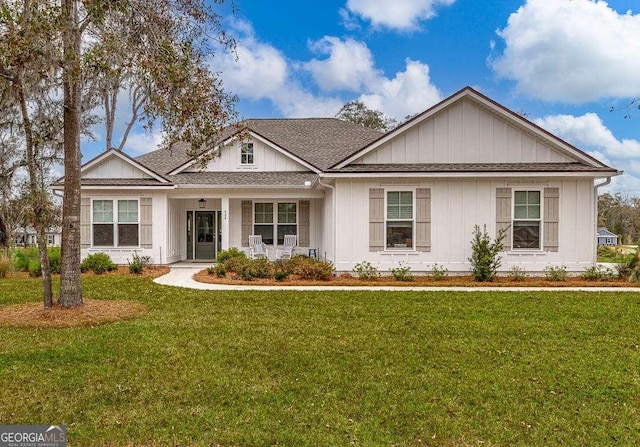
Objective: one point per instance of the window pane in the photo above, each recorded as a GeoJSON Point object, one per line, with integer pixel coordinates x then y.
{"type": "Point", "coordinates": [526, 234]}
{"type": "Point", "coordinates": [286, 213]}
{"type": "Point", "coordinates": [103, 235]}
{"type": "Point", "coordinates": [520, 197]}
{"type": "Point", "coordinates": [400, 234]}
{"type": "Point", "coordinates": [393, 212]}
{"type": "Point", "coordinates": [283, 230]}
{"type": "Point", "coordinates": [127, 211]}
{"type": "Point", "coordinates": [246, 153]}
{"type": "Point", "coordinates": [263, 213]}
{"type": "Point", "coordinates": [520, 212]}
{"type": "Point", "coordinates": [406, 212]}
{"type": "Point", "coordinates": [103, 211]}
{"type": "Point", "coordinates": [127, 235]}
{"type": "Point", "coordinates": [406, 198]}
{"type": "Point", "coordinates": [393, 198]}
{"type": "Point", "coordinates": [266, 231]}
{"type": "Point", "coordinates": [533, 197]}
{"type": "Point", "coordinates": [533, 212]}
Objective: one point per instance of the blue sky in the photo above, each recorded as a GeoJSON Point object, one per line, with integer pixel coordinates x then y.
{"type": "Point", "coordinates": [564, 63]}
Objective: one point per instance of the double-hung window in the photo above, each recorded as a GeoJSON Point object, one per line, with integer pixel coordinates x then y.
{"type": "Point", "coordinates": [527, 225]}
{"type": "Point", "coordinates": [115, 223]}
{"type": "Point", "coordinates": [247, 154]}
{"type": "Point", "coordinates": [399, 220]}
{"type": "Point", "coordinates": [275, 220]}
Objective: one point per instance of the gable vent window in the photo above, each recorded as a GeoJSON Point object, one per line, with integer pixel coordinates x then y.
{"type": "Point", "coordinates": [526, 220]}
{"type": "Point", "coordinates": [120, 232]}
{"type": "Point", "coordinates": [246, 154]}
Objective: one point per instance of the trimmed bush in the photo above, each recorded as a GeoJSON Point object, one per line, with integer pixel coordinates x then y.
{"type": "Point", "coordinates": [365, 270]}
{"type": "Point", "coordinates": [517, 273]}
{"type": "Point", "coordinates": [97, 263]}
{"type": "Point", "coordinates": [555, 273]}
{"type": "Point", "coordinates": [439, 272]}
{"type": "Point", "coordinates": [402, 273]}
{"type": "Point", "coordinates": [598, 273]}
{"type": "Point", "coordinates": [233, 252]}
{"type": "Point", "coordinates": [281, 275]}
{"type": "Point", "coordinates": [138, 264]}
{"type": "Point", "coordinates": [484, 258]}
{"type": "Point", "coordinates": [312, 269]}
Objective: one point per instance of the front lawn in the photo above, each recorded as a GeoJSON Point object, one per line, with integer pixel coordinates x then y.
{"type": "Point", "coordinates": [294, 368]}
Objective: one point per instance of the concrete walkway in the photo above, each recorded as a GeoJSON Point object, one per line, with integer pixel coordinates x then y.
{"type": "Point", "coordinates": [182, 276]}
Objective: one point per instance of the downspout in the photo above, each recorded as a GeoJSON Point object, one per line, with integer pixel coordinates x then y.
{"type": "Point", "coordinates": [595, 220]}
{"type": "Point", "coordinates": [333, 217]}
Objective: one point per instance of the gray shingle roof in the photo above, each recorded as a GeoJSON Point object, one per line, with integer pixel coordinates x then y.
{"type": "Point", "coordinates": [471, 167]}
{"type": "Point", "coordinates": [283, 179]}
{"type": "Point", "coordinates": [122, 182]}
{"type": "Point", "coordinates": [321, 142]}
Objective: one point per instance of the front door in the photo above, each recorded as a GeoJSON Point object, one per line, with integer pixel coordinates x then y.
{"type": "Point", "coordinates": [205, 235]}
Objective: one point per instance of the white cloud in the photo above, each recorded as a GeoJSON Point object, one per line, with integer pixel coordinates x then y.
{"type": "Point", "coordinates": [409, 92]}
{"type": "Point", "coordinates": [349, 66]}
{"type": "Point", "coordinates": [571, 51]}
{"type": "Point", "coordinates": [141, 143]}
{"type": "Point", "coordinates": [588, 132]}
{"type": "Point", "coordinates": [398, 14]}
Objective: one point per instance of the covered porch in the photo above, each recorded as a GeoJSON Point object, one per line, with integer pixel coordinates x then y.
{"type": "Point", "coordinates": [204, 222]}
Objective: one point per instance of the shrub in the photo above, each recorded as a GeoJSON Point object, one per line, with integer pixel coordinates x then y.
{"type": "Point", "coordinates": [98, 263]}
{"type": "Point", "coordinates": [517, 273]}
{"type": "Point", "coordinates": [55, 259]}
{"type": "Point", "coordinates": [233, 252]}
{"type": "Point", "coordinates": [234, 264]}
{"type": "Point", "coordinates": [555, 273]}
{"type": "Point", "coordinates": [402, 273]}
{"type": "Point", "coordinates": [439, 272]}
{"type": "Point", "coordinates": [281, 275]}
{"type": "Point", "coordinates": [312, 269]}
{"type": "Point", "coordinates": [138, 264]}
{"type": "Point", "coordinates": [484, 258]}
{"type": "Point", "coordinates": [5, 264]}
{"type": "Point", "coordinates": [630, 269]}
{"type": "Point", "coordinates": [365, 270]}
{"type": "Point", "coordinates": [35, 268]}
{"type": "Point", "coordinates": [598, 273]}
{"type": "Point", "coordinates": [23, 256]}
{"type": "Point", "coordinates": [219, 270]}
{"type": "Point", "coordinates": [249, 269]}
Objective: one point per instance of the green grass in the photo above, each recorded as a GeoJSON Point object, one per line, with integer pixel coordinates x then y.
{"type": "Point", "coordinates": [331, 369]}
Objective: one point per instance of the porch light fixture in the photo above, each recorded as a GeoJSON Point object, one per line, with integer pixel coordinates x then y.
{"type": "Point", "coordinates": [202, 203]}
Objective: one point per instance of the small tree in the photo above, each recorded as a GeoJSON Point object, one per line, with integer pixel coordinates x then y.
{"type": "Point", "coordinates": [484, 259]}
{"type": "Point", "coordinates": [358, 113]}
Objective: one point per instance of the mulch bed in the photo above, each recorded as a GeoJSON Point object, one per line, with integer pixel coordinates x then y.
{"type": "Point", "coordinates": [419, 281]}
{"type": "Point", "coordinates": [90, 313]}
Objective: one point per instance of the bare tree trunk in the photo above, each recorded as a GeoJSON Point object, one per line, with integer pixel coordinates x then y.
{"type": "Point", "coordinates": [70, 281]}
{"type": "Point", "coordinates": [36, 194]}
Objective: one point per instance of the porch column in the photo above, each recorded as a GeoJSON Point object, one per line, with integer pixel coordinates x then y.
{"type": "Point", "coordinates": [226, 214]}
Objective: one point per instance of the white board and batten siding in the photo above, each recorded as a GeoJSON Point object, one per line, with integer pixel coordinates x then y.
{"type": "Point", "coordinates": [266, 159]}
{"type": "Point", "coordinates": [457, 205]}
{"type": "Point", "coordinates": [153, 220]}
{"type": "Point", "coordinates": [464, 133]}
{"type": "Point", "coordinates": [114, 167]}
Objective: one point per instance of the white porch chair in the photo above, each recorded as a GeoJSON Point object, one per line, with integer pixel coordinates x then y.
{"type": "Point", "coordinates": [257, 248]}
{"type": "Point", "coordinates": [290, 242]}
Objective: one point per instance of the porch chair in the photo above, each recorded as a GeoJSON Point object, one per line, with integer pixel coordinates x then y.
{"type": "Point", "coordinates": [290, 241]}
{"type": "Point", "coordinates": [257, 248]}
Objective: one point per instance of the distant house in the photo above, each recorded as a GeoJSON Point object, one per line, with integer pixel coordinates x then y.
{"type": "Point", "coordinates": [27, 236]}
{"type": "Point", "coordinates": [351, 194]}
{"type": "Point", "coordinates": [606, 237]}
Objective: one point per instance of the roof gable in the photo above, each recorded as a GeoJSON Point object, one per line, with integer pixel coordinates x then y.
{"type": "Point", "coordinates": [468, 127]}
{"type": "Point", "coordinates": [114, 164]}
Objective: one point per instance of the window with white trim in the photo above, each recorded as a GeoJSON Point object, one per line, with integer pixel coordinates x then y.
{"type": "Point", "coordinates": [246, 154]}
{"type": "Point", "coordinates": [123, 231]}
{"type": "Point", "coordinates": [50, 239]}
{"type": "Point", "coordinates": [399, 222]}
{"type": "Point", "coordinates": [527, 220]}
{"type": "Point", "coordinates": [275, 220]}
